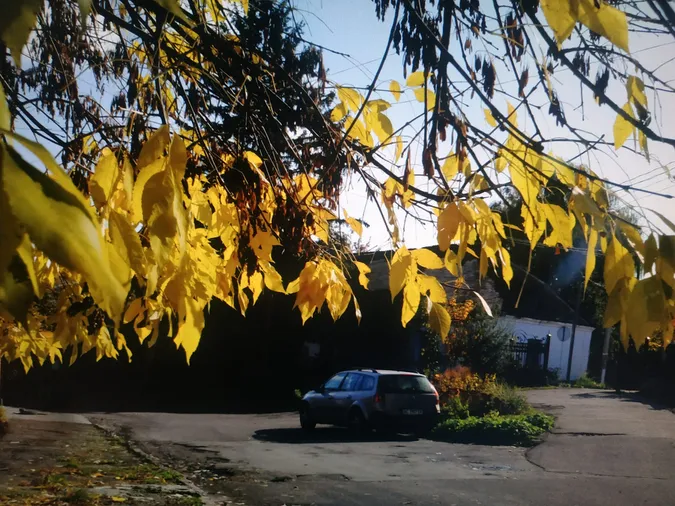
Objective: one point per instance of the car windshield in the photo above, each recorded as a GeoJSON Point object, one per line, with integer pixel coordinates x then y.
{"type": "Point", "coordinates": [404, 383]}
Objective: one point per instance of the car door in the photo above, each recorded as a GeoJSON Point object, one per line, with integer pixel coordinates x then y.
{"type": "Point", "coordinates": [344, 398]}
{"type": "Point", "coordinates": [323, 403]}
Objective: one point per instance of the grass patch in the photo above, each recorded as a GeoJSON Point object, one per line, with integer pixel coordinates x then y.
{"type": "Point", "coordinates": [149, 474]}
{"type": "Point", "coordinates": [585, 381]}
{"type": "Point", "coordinates": [494, 429]}
{"type": "Point", "coordinates": [78, 496]}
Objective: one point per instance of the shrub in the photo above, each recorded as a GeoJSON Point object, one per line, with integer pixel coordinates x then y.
{"type": "Point", "coordinates": [585, 381]}
{"type": "Point", "coordinates": [480, 394]}
{"type": "Point", "coordinates": [494, 429]}
{"type": "Point", "coordinates": [455, 408]}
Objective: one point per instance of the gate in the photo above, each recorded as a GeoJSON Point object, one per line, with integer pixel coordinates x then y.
{"type": "Point", "coordinates": [531, 354]}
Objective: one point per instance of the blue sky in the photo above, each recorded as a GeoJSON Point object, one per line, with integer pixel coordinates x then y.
{"type": "Point", "coordinates": [350, 26]}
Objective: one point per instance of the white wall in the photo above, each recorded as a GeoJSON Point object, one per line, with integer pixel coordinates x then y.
{"type": "Point", "coordinates": [527, 328]}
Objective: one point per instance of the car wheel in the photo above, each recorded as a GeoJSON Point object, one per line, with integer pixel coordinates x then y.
{"type": "Point", "coordinates": [357, 422]}
{"type": "Point", "coordinates": [306, 421]}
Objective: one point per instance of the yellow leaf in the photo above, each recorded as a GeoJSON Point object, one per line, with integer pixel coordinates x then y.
{"type": "Point", "coordinates": [590, 256]}
{"type": "Point", "coordinates": [338, 113]}
{"type": "Point", "coordinates": [127, 242]}
{"type": "Point", "coordinates": [256, 284]}
{"type": "Point", "coordinates": [190, 331]}
{"type": "Point", "coordinates": [651, 253]}
{"type": "Point", "coordinates": [618, 264]}
{"type": "Point", "coordinates": [427, 259]}
{"type": "Point", "coordinates": [18, 20]}
{"type": "Point", "coordinates": [364, 270]}
{"type": "Point", "coordinates": [103, 181]}
{"type": "Point", "coordinates": [415, 79]}
{"type": "Point", "coordinates": [154, 147]}
{"type": "Point", "coordinates": [607, 21]}
{"type": "Point", "coordinates": [173, 6]}
{"type": "Point", "coordinates": [451, 263]}
{"type": "Point", "coordinates": [483, 302]}
{"type": "Point", "coordinates": [646, 309]}
{"type": "Point", "coordinates": [411, 301]}
{"type": "Point", "coordinates": [133, 310]}
{"type": "Point", "coordinates": [635, 90]}
{"type": "Point", "coordinates": [16, 291]}
{"type": "Point", "coordinates": [450, 166]}
{"type": "Point", "coordinates": [632, 233]}
{"type": "Point", "coordinates": [439, 319]}
{"type": "Point", "coordinates": [399, 148]}
{"type": "Point", "coordinates": [384, 128]}
{"type": "Point", "coordinates": [432, 288]}
{"type": "Point", "coordinates": [144, 176]}
{"type": "Point", "coordinates": [357, 309]}
{"type": "Point", "coordinates": [273, 279]}
{"type": "Point", "coordinates": [62, 227]}
{"type": "Point", "coordinates": [395, 90]}
{"type": "Point", "coordinates": [116, 498]}
{"type": "Point", "coordinates": [622, 128]}
{"type": "Point", "coordinates": [507, 270]}
{"type": "Point", "coordinates": [10, 230]}
{"type": "Point", "coordinates": [430, 97]}
{"type": "Point", "coordinates": [448, 223]}
{"type": "Point", "coordinates": [401, 266]}
{"type": "Point", "coordinates": [489, 118]}
{"type": "Point", "coordinates": [355, 224]}
{"type": "Point", "coordinates": [350, 98]}
{"type": "Point", "coordinates": [5, 116]}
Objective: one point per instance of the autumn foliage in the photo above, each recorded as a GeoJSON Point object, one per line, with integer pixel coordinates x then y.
{"type": "Point", "coordinates": [202, 170]}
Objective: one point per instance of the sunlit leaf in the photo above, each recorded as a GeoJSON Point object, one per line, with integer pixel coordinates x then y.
{"type": "Point", "coordinates": [427, 259]}
{"type": "Point", "coordinates": [338, 112]}
{"type": "Point", "coordinates": [401, 267]}
{"type": "Point", "coordinates": [622, 127]}
{"type": "Point", "coordinates": [415, 79]}
{"type": "Point", "coordinates": [489, 118]}
{"type": "Point", "coordinates": [18, 20]}
{"type": "Point", "coordinates": [103, 181]}
{"type": "Point", "coordinates": [618, 264]}
{"type": "Point", "coordinates": [448, 224]}
{"type": "Point", "coordinates": [439, 318]}
{"type": "Point", "coordinates": [395, 90]}
{"type": "Point", "coordinates": [603, 19]}
{"type": "Point", "coordinates": [590, 256]}
{"type": "Point", "coordinates": [364, 270]}
{"type": "Point", "coordinates": [355, 224]}
{"type": "Point", "coordinates": [62, 227]}
{"type": "Point", "coordinates": [411, 301]}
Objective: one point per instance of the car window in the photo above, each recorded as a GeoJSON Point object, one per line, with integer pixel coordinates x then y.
{"type": "Point", "coordinates": [334, 382]}
{"type": "Point", "coordinates": [404, 383]}
{"type": "Point", "coordinates": [368, 383]}
{"type": "Point", "coordinates": [351, 383]}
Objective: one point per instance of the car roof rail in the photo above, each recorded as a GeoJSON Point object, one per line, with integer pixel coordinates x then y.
{"type": "Point", "coordinates": [366, 369]}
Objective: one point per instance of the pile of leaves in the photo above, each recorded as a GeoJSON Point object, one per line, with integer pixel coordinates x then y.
{"type": "Point", "coordinates": [494, 429]}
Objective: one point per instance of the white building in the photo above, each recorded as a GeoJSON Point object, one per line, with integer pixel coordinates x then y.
{"type": "Point", "coordinates": [559, 351]}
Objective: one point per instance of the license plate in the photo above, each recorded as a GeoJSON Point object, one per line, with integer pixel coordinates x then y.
{"type": "Point", "coordinates": [412, 411]}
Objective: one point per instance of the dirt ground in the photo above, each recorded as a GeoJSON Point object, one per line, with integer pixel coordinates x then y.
{"type": "Point", "coordinates": [62, 464]}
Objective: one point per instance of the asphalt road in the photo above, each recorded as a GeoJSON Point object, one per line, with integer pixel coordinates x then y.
{"type": "Point", "coordinates": [604, 450]}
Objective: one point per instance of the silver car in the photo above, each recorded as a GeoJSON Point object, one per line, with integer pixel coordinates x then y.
{"type": "Point", "coordinates": [362, 399]}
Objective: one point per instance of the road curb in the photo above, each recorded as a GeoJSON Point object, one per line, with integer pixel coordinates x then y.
{"type": "Point", "coordinates": [207, 499]}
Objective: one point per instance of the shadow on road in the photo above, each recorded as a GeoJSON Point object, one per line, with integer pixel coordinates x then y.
{"type": "Point", "coordinates": [623, 396]}
{"type": "Point", "coordinates": [325, 435]}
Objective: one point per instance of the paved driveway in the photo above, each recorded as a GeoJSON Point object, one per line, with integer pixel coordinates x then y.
{"type": "Point", "coordinates": [605, 450]}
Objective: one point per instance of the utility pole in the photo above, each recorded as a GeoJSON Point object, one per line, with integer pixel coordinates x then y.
{"type": "Point", "coordinates": [577, 307]}
{"type": "Point", "coordinates": [605, 354]}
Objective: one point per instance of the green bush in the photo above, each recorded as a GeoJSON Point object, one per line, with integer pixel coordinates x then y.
{"type": "Point", "coordinates": [455, 408]}
{"type": "Point", "coordinates": [505, 400]}
{"type": "Point", "coordinates": [585, 381]}
{"type": "Point", "coordinates": [494, 429]}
